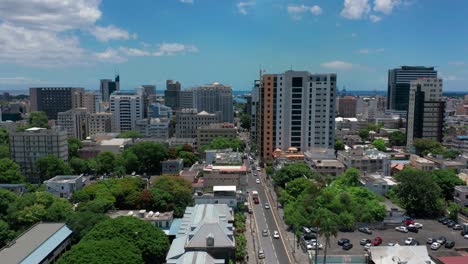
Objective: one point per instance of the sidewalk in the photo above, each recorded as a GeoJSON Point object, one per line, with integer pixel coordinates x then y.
{"type": "Point", "coordinates": [299, 256]}
{"type": "Point", "coordinates": [251, 237]}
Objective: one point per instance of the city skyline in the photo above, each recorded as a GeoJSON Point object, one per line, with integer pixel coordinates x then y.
{"type": "Point", "coordinates": [229, 40]}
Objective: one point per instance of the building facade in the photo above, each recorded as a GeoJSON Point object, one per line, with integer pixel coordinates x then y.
{"type": "Point", "coordinates": [100, 123]}
{"type": "Point", "coordinates": [347, 106]}
{"type": "Point", "coordinates": [426, 110]}
{"type": "Point", "coordinates": [296, 109]}
{"type": "Point", "coordinates": [158, 128]}
{"type": "Point", "coordinates": [107, 87]}
{"type": "Point", "coordinates": [171, 94]}
{"type": "Point", "coordinates": [157, 110]}
{"type": "Point", "coordinates": [189, 120]}
{"type": "Point", "coordinates": [367, 161]}
{"type": "Point", "coordinates": [75, 122]}
{"type": "Point", "coordinates": [127, 108]}
{"type": "Point", "coordinates": [186, 100]}
{"type": "Point", "coordinates": [93, 102]}
{"type": "Point", "coordinates": [254, 110]}
{"type": "Point", "coordinates": [64, 186]}
{"type": "Point", "coordinates": [399, 84]}
{"type": "Point", "coordinates": [29, 145]}
{"type": "Point", "coordinates": [53, 100]}
{"type": "Point", "coordinates": [213, 98]}
{"type": "Point", "coordinates": [206, 134]}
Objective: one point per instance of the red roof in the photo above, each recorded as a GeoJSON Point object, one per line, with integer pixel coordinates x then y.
{"type": "Point", "coordinates": [454, 260]}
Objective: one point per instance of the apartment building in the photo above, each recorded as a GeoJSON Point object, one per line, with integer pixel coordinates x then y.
{"type": "Point", "coordinates": [206, 134]}
{"type": "Point", "coordinates": [93, 102]}
{"type": "Point", "coordinates": [75, 122]}
{"type": "Point", "coordinates": [367, 161]}
{"type": "Point", "coordinates": [189, 120]}
{"type": "Point", "coordinates": [347, 106]}
{"type": "Point", "coordinates": [127, 108]}
{"type": "Point", "coordinates": [53, 100]}
{"type": "Point", "coordinates": [100, 123]}
{"type": "Point", "coordinates": [213, 98]}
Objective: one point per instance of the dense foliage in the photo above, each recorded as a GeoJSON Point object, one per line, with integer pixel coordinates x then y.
{"type": "Point", "coordinates": [339, 145]}
{"type": "Point", "coordinates": [397, 138]}
{"type": "Point", "coordinates": [10, 172]}
{"type": "Point", "coordinates": [245, 121]}
{"type": "Point", "coordinates": [50, 166]}
{"type": "Point", "coordinates": [145, 157]}
{"type": "Point", "coordinates": [291, 172]}
{"type": "Point", "coordinates": [130, 134]}
{"type": "Point", "coordinates": [225, 143]}
{"type": "Point", "coordinates": [171, 193]}
{"type": "Point", "coordinates": [74, 145]}
{"type": "Point", "coordinates": [379, 144]}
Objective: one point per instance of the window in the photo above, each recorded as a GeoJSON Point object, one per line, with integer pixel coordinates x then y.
{"type": "Point", "coordinates": [297, 82]}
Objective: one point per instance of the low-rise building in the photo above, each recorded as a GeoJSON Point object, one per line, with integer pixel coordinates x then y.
{"type": "Point", "coordinates": [100, 123]}
{"type": "Point", "coordinates": [64, 186]}
{"type": "Point", "coordinates": [189, 120]}
{"type": "Point", "coordinates": [285, 157]}
{"type": "Point", "coordinates": [400, 254]}
{"type": "Point", "coordinates": [172, 166]}
{"type": "Point", "coordinates": [43, 243]}
{"type": "Point", "coordinates": [158, 128]}
{"type": "Point", "coordinates": [378, 183]}
{"type": "Point", "coordinates": [17, 188]}
{"type": "Point", "coordinates": [225, 175]}
{"type": "Point", "coordinates": [422, 163]}
{"type": "Point", "coordinates": [331, 167]}
{"type": "Point", "coordinates": [115, 145]}
{"type": "Point", "coordinates": [223, 157]}
{"type": "Point", "coordinates": [220, 195]}
{"type": "Point", "coordinates": [367, 161]}
{"type": "Point", "coordinates": [162, 220]}
{"type": "Point", "coordinates": [461, 195]}
{"type": "Point", "coordinates": [206, 134]}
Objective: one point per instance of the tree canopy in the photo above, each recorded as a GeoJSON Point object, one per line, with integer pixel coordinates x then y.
{"type": "Point", "coordinates": [74, 145]}
{"type": "Point", "coordinates": [291, 172]}
{"type": "Point", "coordinates": [38, 119]}
{"type": "Point", "coordinates": [224, 143]}
{"type": "Point", "coordinates": [10, 172]}
{"type": "Point", "coordinates": [171, 193]}
{"type": "Point", "coordinates": [82, 222]}
{"type": "Point", "coordinates": [50, 166]}
{"type": "Point", "coordinates": [379, 144]}
{"type": "Point", "coordinates": [339, 145]}
{"type": "Point", "coordinates": [245, 120]}
{"type": "Point", "coordinates": [425, 146]}
{"type": "Point", "coordinates": [145, 157]}
{"type": "Point", "coordinates": [446, 179]}
{"type": "Point", "coordinates": [397, 138]}
{"type": "Point", "coordinates": [130, 134]}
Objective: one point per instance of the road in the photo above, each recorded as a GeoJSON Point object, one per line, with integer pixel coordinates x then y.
{"type": "Point", "coordinates": [265, 220]}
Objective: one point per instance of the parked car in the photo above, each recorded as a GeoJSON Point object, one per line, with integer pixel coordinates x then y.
{"type": "Point", "coordinates": [409, 240]}
{"type": "Point", "coordinates": [343, 241]}
{"type": "Point", "coordinates": [309, 236]}
{"type": "Point", "coordinates": [417, 225]}
{"type": "Point", "coordinates": [430, 240]}
{"type": "Point", "coordinates": [441, 240]}
{"type": "Point", "coordinates": [255, 174]}
{"type": "Point", "coordinates": [435, 246]}
{"type": "Point", "coordinates": [267, 206]}
{"type": "Point", "coordinates": [276, 234]}
{"type": "Point", "coordinates": [457, 227]}
{"type": "Point", "coordinates": [465, 236]}
{"type": "Point", "coordinates": [315, 229]}
{"type": "Point", "coordinates": [314, 245]}
{"type": "Point", "coordinates": [364, 241]}
{"type": "Point", "coordinates": [257, 181]}
{"type": "Point", "coordinates": [391, 244]}
{"type": "Point", "coordinates": [450, 224]}
{"type": "Point", "coordinates": [414, 243]}
{"type": "Point", "coordinates": [367, 246]}
{"type": "Point", "coordinates": [442, 219]}
{"type": "Point", "coordinates": [446, 221]}
{"type": "Point", "coordinates": [365, 230]}
{"type": "Point", "coordinates": [377, 241]}
{"type": "Point", "coordinates": [249, 209]}
{"type": "Point", "coordinates": [413, 229]}
{"type": "Point", "coordinates": [347, 246]}
{"type": "Point", "coordinates": [265, 232]}
{"type": "Point", "coordinates": [402, 229]}
{"type": "Point", "coordinates": [305, 230]}
{"type": "Point", "coordinates": [409, 222]}
{"type": "Point", "coordinates": [449, 244]}
{"type": "Point", "coordinates": [261, 254]}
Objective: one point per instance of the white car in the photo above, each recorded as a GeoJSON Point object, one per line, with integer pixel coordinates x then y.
{"type": "Point", "coordinates": [435, 246]}
{"type": "Point", "coordinates": [367, 246]}
{"type": "Point", "coordinates": [465, 236]}
{"type": "Point", "coordinates": [275, 234]}
{"type": "Point", "coordinates": [417, 225]}
{"type": "Point", "coordinates": [401, 229]}
{"type": "Point", "coordinates": [258, 169]}
{"type": "Point", "coordinates": [315, 245]}
{"type": "Point", "coordinates": [409, 240]}
{"type": "Point", "coordinates": [257, 181]}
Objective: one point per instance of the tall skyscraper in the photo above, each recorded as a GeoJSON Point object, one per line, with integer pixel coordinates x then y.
{"type": "Point", "coordinates": [254, 111]}
{"type": "Point", "coordinates": [426, 110]}
{"type": "Point", "coordinates": [53, 100]}
{"type": "Point", "coordinates": [213, 98]}
{"type": "Point", "coordinates": [186, 99]}
{"type": "Point", "coordinates": [399, 84]}
{"type": "Point", "coordinates": [127, 108]}
{"type": "Point", "coordinates": [108, 86]}
{"type": "Point", "coordinates": [296, 109]}
{"type": "Point", "coordinates": [171, 94]}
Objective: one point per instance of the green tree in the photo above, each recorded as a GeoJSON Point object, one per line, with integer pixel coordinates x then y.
{"type": "Point", "coordinates": [6, 198]}
{"type": "Point", "coordinates": [188, 157]}
{"type": "Point", "coordinates": [451, 154]}
{"type": "Point", "coordinates": [113, 250]}
{"type": "Point", "coordinates": [10, 172]}
{"type": "Point", "coordinates": [379, 144]}
{"type": "Point", "coordinates": [363, 133]}
{"type": "Point", "coordinates": [82, 222]}
{"type": "Point", "coordinates": [151, 241]}
{"type": "Point", "coordinates": [172, 193]}
{"type": "Point", "coordinates": [346, 220]}
{"type": "Point", "coordinates": [328, 224]}
{"type": "Point", "coordinates": [79, 166]}
{"type": "Point", "coordinates": [418, 193]}
{"type": "Point", "coordinates": [349, 178]}
{"type": "Point", "coordinates": [291, 172]}
{"type": "Point", "coordinates": [38, 119]}
{"type": "Point", "coordinates": [50, 166]}
{"type": "Point", "coordinates": [339, 145]}
{"type": "Point", "coordinates": [4, 151]}
{"type": "Point", "coordinates": [446, 179]}
{"type": "Point", "coordinates": [149, 155]}
{"type": "Point", "coordinates": [245, 120]}
{"type": "Point", "coordinates": [105, 162]}
{"type": "Point", "coordinates": [74, 145]}
{"type": "Point", "coordinates": [294, 189]}
{"type": "Point", "coordinates": [4, 137]}
{"type": "Point", "coordinates": [5, 233]}
{"type": "Point", "coordinates": [454, 209]}
{"type": "Point", "coordinates": [225, 143]}
{"type": "Point", "coordinates": [425, 146]}
{"type": "Point", "coordinates": [130, 134]}
{"type": "Point", "coordinates": [397, 138]}
{"type": "Point", "coordinates": [241, 247]}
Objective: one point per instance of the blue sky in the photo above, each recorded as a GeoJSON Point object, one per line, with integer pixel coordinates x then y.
{"type": "Point", "coordinates": [53, 43]}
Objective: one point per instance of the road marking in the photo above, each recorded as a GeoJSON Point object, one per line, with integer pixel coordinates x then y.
{"type": "Point", "coordinates": [256, 231]}
{"type": "Point", "coordinates": [279, 230]}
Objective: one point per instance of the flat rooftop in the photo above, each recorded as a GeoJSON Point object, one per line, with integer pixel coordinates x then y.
{"type": "Point", "coordinates": [327, 163]}
{"type": "Point", "coordinates": [64, 178]}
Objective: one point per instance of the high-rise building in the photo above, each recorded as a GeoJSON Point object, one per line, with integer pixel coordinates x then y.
{"type": "Point", "coordinates": [157, 110]}
{"type": "Point", "coordinates": [53, 100]}
{"type": "Point", "coordinates": [26, 147]}
{"type": "Point", "coordinates": [426, 110]}
{"type": "Point", "coordinates": [156, 128]}
{"type": "Point", "coordinates": [108, 86]}
{"type": "Point", "coordinates": [347, 106]}
{"type": "Point", "coordinates": [75, 122]}
{"type": "Point", "coordinates": [254, 110]}
{"type": "Point", "coordinates": [127, 108]}
{"type": "Point", "coordinates": [171, 94]}
{"type": "Point", "coordinates": [186, 99]}
{"type": "Point", "coordinates": [399, 84]}
{"type": "Point", "coordinates": [189, 120]}
{"type": "Point", "coordinates": [100, 123]}
{"type": "Point", "coordinates": [296, 109]}
{"type": "Point", "coordinates": [213, 98]}
{"type": "Point", "coordinates": [93, 101]}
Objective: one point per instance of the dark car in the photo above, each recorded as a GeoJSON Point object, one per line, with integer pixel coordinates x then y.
{"type": "Point", "coordinates": [450, 224]}
{"type": "Point", "coordinates": [445, 222]}
{"type": "Point", "coordinates": [343, 241]}
{"type": "Point", "coordinates": [314, 229]}
{"type": "Point", "coordinates": [347, 246]}
{"type": "Point", "coordinates": [441, 240]}
{"type": "Point", "coordinates": [377, 241]}
{"type": "Point", "coordinates": [364, 241]}
{"type": "Point", "coordinates": [449, 244]}
{"type": "Point", "coordinates": [442, 219]}
{"type": "Point", "coordinates": [309, 236]}
{"type": "Point", "coordinates": [413, 229]}
{"type": "Point", "coordinates": [414, 243]}
{"type": "Point", "coordinates": [365, 230]}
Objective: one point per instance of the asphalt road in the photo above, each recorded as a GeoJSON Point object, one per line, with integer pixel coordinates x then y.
{"type": "Point", "coordinates": [274, 249]}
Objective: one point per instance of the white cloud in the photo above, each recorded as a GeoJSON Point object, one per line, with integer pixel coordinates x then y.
{"type": "Point", "coordinates": [385, 6]}
{"type": "Point", "coordinates": [367, 51]}
{"type": "Point", "coordinates": [355, 9]}
{"type": "Point", "coordinates": [457, 63]}
{"type": "Point", "coordinates": [186, 1]}
{"type": "Point", "coordinates": [134, 52]}
{"type": "Point", "coordinates": [375, 18]}
{"type": "Point", "coordinates": [170, 49]}
{"type": "Point", "coordinates": [242, 7]}
{"type": "Point", "coordinates": [296, 11]}
{"type": "Point", "coordinates": [111, 32]}
{"type": "Point", "coordinates": [337, 65]}
{"type": "Point", "coordinates": [109, 55]}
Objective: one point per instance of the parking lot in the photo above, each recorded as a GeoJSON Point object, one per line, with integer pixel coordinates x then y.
{"type": "Point", "coordinates": [431, 228]}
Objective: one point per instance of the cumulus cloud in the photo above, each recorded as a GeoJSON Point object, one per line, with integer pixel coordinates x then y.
{"type": "Point", "coordinates": [242, 7]}
{"type": "Point", "coordinates": [296, 11]}
{"type": "Point", "coordinates": [111, 32]}
{"type": "Point", "coordinates": [355, 9]}
{"type": "Point", "coordinates": [109, 55]}
{"type": "Point", "coordinates": [375, 18]}
{"type": "Point", "coordinates": [337, 65]}
{"type": "Point", "coordinates": [385, 6]}
{"type": "Point", "coordinates": [170, 49]}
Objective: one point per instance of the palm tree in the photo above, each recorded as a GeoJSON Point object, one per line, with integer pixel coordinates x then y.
{"type": "Point", "coordinates": [328, 224]}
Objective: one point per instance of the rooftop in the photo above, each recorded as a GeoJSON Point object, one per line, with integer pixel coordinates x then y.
{"type": "Point", "coordinates": [237, 168]}
{"type": "Point", "coordinates": [413, 254]}
{"type": "Point", "coordinates": [64, 178]}
{"type": "Point", "coordinates": [462, 188]}
{"type": "Point", "coordinates": [327, 163]}
{"type": "Point", "coordinates": [143, 214]}
{"type": "Point", "coordinates": [116, 142]}
{"type": "Point", "coordinates": [224, 188]}
{"type": "Point", "coordinates": [35, 244]}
